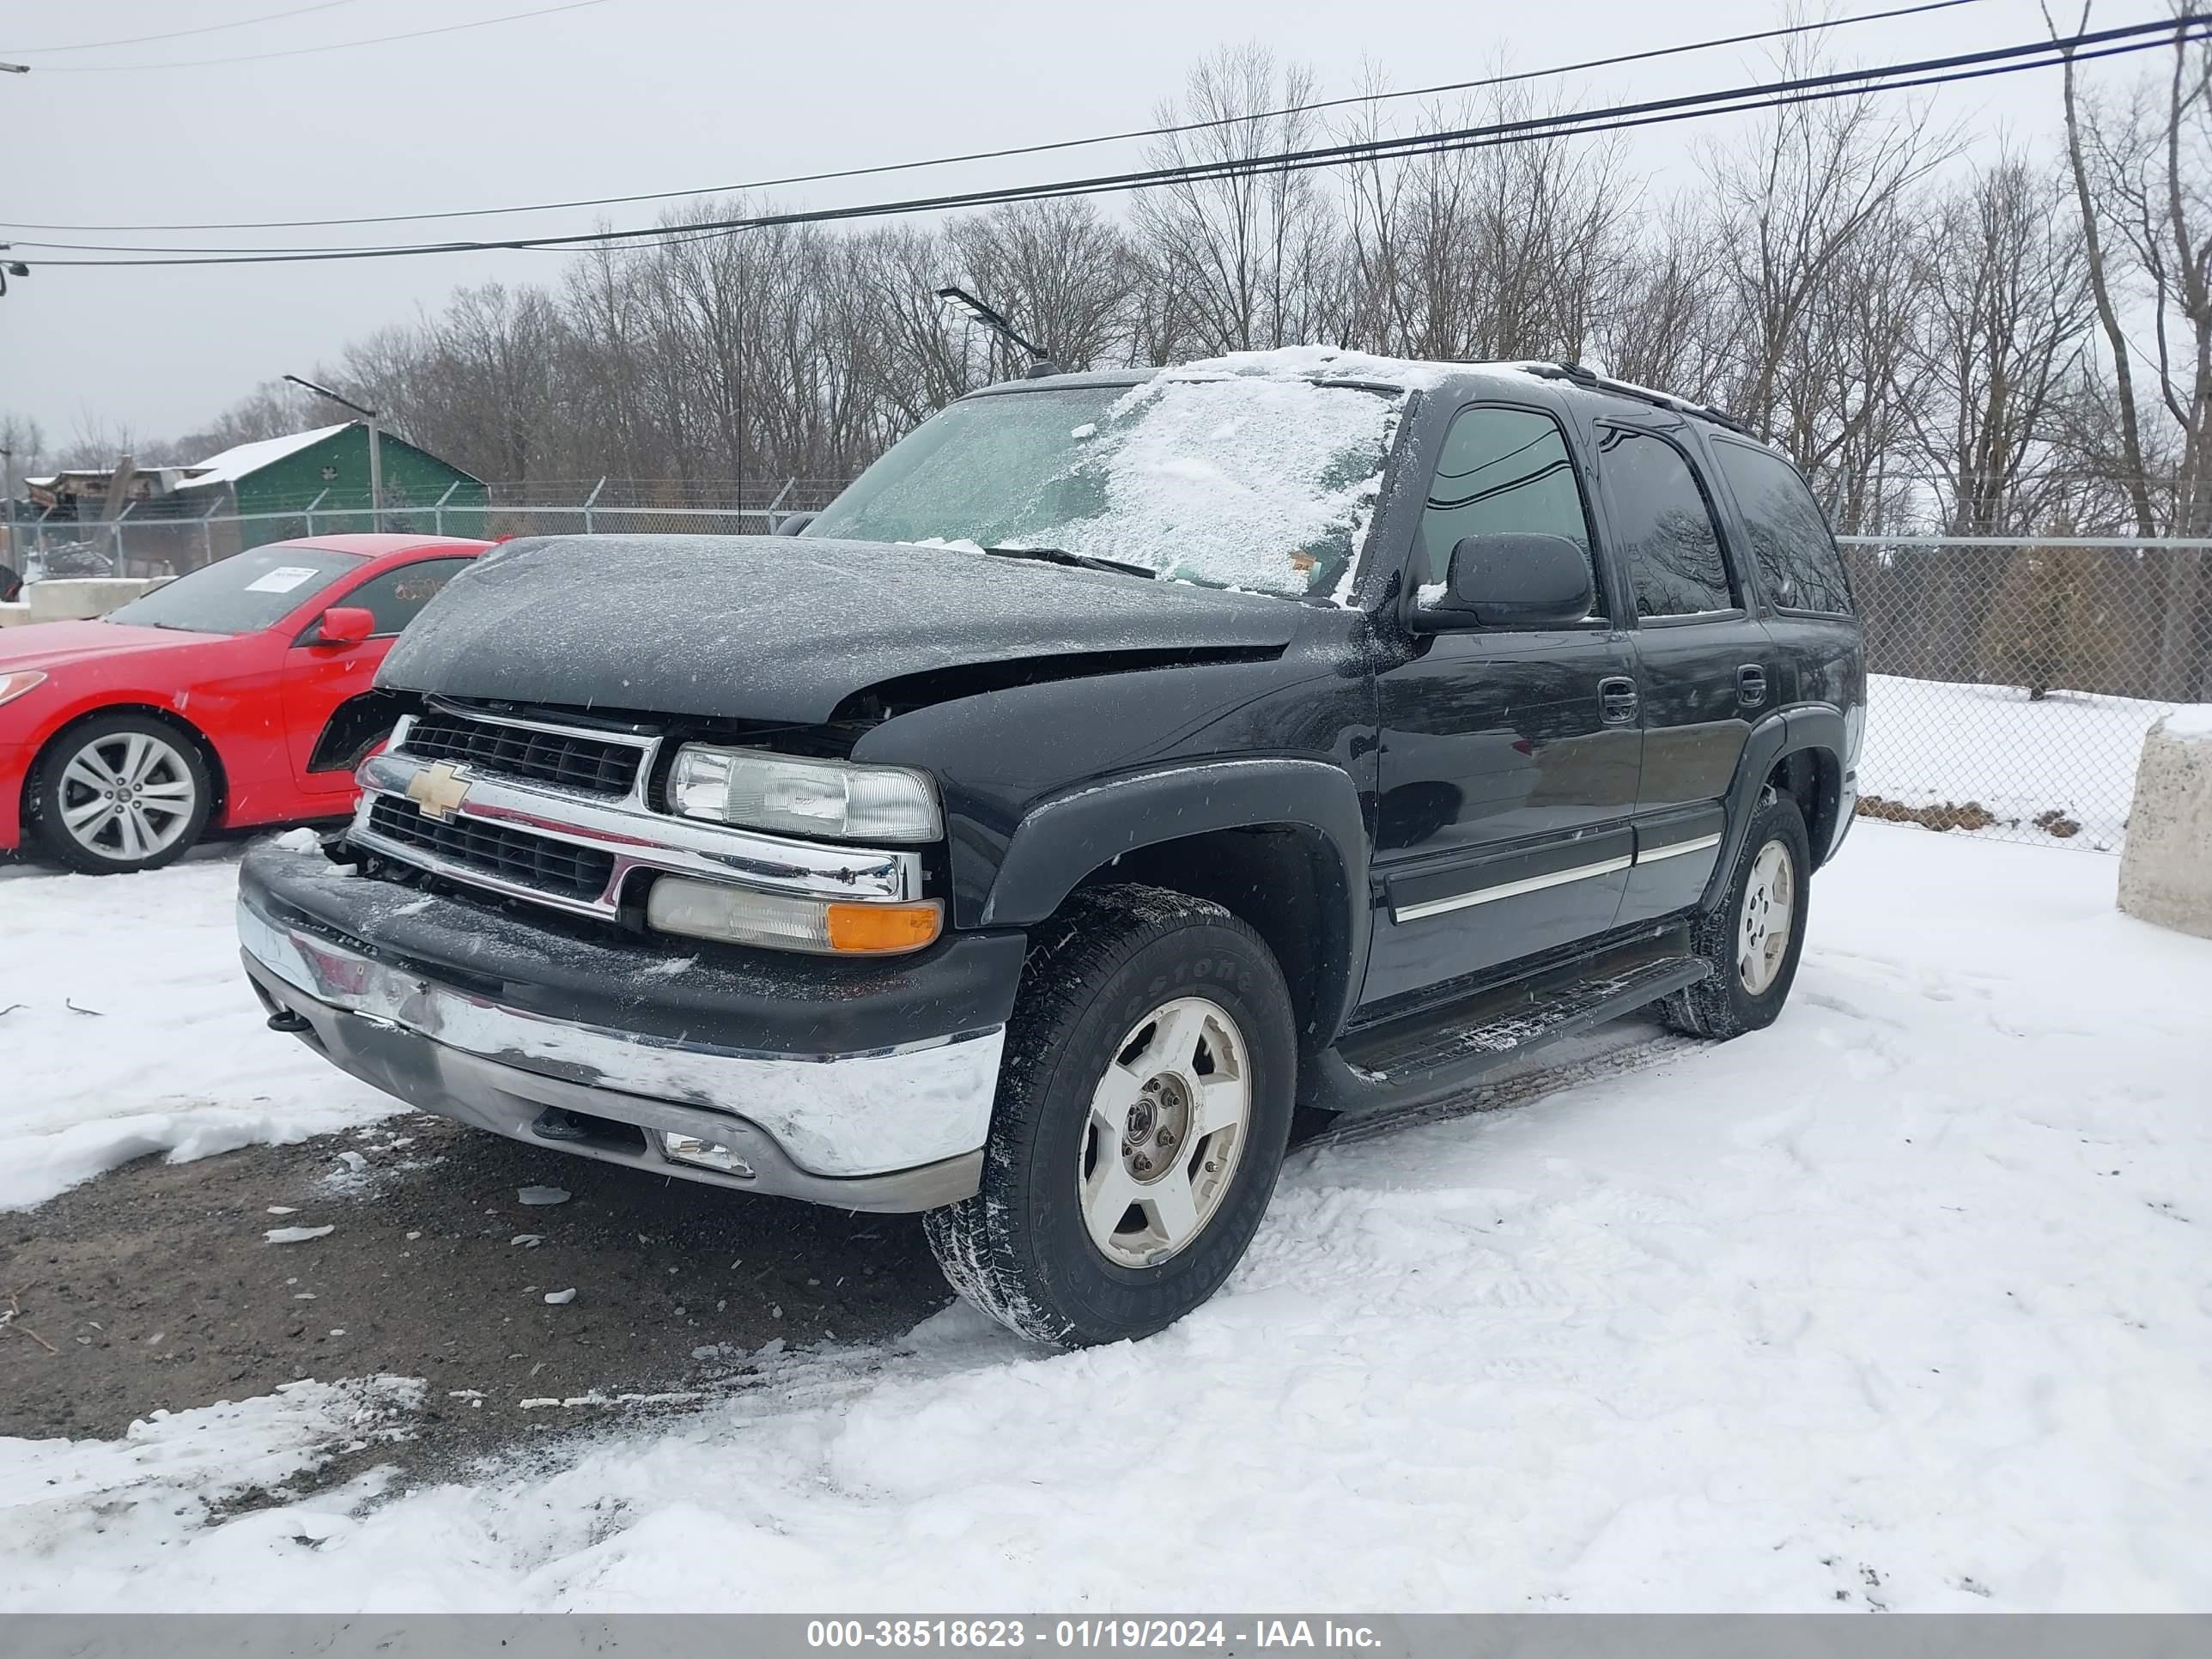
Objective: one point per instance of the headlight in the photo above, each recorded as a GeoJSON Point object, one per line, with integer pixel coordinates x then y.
{"type": "Point", "coordinates": [737, 915]}
{"type": "Point", "coordinates": [803, 797]}
{"type": "Point", "coordinates": [13, 686]}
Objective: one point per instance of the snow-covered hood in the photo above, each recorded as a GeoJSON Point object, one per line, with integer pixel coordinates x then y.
{"type": "Point", "coordinates": [58, 644]}
{"type": "Point", "coordinates": [780, 628]}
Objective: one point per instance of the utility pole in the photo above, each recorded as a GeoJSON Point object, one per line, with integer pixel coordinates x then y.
{"type": "Point", "coordinates": [375, 448]}
{"type": "Point", "coordinates": [8, 504]}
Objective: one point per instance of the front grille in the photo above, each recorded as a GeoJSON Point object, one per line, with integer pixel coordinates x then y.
{"type": "Point", "coordinates": [572, 761]}
{"type": "Point", "coordinates": [551, 867]}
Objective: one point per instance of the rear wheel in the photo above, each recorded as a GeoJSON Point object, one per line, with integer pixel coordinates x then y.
{"type": "Point", "coordinates": [1143, 1108]}
{"type": "Point", "coordinates": [1752, 939]}
{"type": "Point", "coordinates": [119, 793]}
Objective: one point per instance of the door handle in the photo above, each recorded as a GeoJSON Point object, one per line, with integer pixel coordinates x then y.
{"type": "Point", "coordinates": [1616, 700]}
{"type": "Point", "coordinates": [1751, 685]}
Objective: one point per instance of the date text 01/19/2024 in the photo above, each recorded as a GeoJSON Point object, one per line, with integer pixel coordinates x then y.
{"type": "Point", "coordinates": [1078, 1633]}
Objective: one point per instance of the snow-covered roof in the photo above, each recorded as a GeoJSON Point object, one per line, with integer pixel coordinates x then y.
{"type": "Point", "coordinates": [237, 462]}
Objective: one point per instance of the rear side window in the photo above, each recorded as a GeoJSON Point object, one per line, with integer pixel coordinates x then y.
{"type": "Point", "coordinates": [1502, 471]}
{"type": "Point", "coordinates": [1664, 525]}
{"type": "Point", "coordinates": [1798, 564]}
{"type": "Point", "coordinates": [396, 597]}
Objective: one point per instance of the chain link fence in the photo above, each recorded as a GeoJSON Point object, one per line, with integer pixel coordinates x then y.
{"type": "Point", "coordinates": [2013, 679]}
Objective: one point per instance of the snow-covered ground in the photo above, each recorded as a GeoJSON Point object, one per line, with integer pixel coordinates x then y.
{"type": "Point", "coordinates": [130, 1030]}
{"type": "Point", "coordinates": [1906, 1303]}
{"type": "Point", "coordinates": [1928, 742]}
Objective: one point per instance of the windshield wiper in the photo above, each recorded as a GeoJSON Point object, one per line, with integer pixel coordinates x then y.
{"type": "Point", "coordinates": [1081, 561]}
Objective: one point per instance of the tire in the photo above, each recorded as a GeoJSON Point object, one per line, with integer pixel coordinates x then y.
{"type": "Point", "coordinates": [166, 794]}
{"type": "Point", "coordinates": [1754, 961]}
{"type": "Point", "coordinates": [1085, 1049]}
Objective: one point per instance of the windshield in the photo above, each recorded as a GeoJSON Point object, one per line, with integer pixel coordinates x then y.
{"type": "Point", "coordinates": [242, 595]}
{"type": "Point", "coordinates": [1262, 482]}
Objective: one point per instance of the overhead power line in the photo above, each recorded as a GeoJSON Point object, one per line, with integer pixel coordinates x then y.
{"type": "Point", "coordinates": [1021, 149]}
{"type": "Point", "coordinates": [305, 51]}
{"type": "Point", "coordinates": [178, 35]}
{"type": "Point", "coordinates": [1937, 71]}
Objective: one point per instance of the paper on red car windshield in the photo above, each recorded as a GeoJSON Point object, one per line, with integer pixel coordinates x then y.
{"type": "Point", "coordinates": [283, 579]}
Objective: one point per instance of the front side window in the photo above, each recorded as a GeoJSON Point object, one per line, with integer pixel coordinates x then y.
{"type": "Point", "coordinates": [1798, 563]}
{"type": "Point", "coordinates": [1230, 480]}
{"type": "Point", "coordinates": [1502, 471]}
{"type": "Point", "coordinates": [242, 595]}
{"type": "Point", "coordinates": [1664, 526]}
{"type": "Point", "coordinates": [396, 597]}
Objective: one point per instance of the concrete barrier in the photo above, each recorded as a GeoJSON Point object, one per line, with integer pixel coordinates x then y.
{"type": "Point", "coordinates": [76, 599]}
{"type": "Point", "coordinates": [15, 614]}
{"type": "Point", "coordinates": [2166, 870]}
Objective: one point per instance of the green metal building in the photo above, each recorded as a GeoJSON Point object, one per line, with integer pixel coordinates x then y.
{"type": "Point", "coordinates": [317, 483]}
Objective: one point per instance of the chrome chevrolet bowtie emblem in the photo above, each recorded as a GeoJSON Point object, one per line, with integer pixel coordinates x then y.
{"type": "Point", "coordinates": [439, 790]}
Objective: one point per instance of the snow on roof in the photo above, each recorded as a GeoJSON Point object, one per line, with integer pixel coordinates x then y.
{"type": "Point", "coordinates": [236, 462]}
{"type": "Point", "coordinates": [1303, 362]}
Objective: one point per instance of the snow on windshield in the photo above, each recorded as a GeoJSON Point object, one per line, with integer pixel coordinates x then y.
{"type": "Point", "coordinates": [1253, 481]}
{"type": "Point", "coordinates": [1256, 470]}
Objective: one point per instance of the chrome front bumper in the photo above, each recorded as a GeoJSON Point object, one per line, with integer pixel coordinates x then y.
{"type": "Point", "coordinates": [895, 1129]}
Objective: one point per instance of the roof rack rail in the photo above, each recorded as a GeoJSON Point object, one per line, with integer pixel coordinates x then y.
{"type": "Point", "coordinates": [1644, 394]}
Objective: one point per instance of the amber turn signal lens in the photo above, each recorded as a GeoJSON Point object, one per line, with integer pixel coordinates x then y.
{"type": "Point", "coordinates": [879, 927]}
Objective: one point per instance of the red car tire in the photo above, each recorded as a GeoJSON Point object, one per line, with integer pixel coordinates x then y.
{"type": "Point", "coordinates": [119, 793]}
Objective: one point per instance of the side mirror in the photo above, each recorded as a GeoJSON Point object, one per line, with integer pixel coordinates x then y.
{"type": "Point", "coordinates": [791, 524]}
{"type": "Point", "coordinates": [345, 624]}
{"type": "Point", "coordinates": [1511, 580]}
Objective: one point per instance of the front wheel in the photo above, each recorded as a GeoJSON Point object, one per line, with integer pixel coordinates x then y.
{"type": "Point", "coordinates": [1143, 1108]}
{"type": "Point", "coordinates": [1752, 938]}
{"type": "Point", "coordinates": [119, 793]}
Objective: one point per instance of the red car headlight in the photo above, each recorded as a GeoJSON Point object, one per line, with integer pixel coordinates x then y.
{"type": "Point", "coordinates": [13, 686]}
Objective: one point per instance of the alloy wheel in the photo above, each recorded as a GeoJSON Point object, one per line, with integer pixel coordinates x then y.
{"type": "Point", "coordinates": [127, 796]}
{"type": "Point", "coordinates": [1166, 1129]}
{"type": "Point", "coordinates": [1769, 902]}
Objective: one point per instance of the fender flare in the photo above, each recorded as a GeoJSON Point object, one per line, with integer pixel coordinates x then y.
{"type": "Point", "coordinates": [1068, 836]}
{"type": "Point", "coordinates": [1785, 731]}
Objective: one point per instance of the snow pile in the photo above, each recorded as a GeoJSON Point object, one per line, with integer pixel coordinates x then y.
{"type": "Point", "coordinates": [127, 1495]}
{"type": "Point", "coordinates": [2073, 752]}
{"type": "Point", "coordinates": [130, 1030]}
{"type": "Point", "coordinates": [1901, 1304]}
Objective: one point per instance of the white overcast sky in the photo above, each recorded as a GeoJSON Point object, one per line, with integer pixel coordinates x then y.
{"type": "Point", "coordinates": [628, 95]}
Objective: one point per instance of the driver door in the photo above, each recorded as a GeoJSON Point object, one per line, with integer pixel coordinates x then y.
{"type": "Point", "coordinates": [1510, 758]}
{"type": "Point", "coordinates": [319, 680]}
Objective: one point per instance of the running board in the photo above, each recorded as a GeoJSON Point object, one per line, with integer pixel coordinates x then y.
{"type": "Point", "coordinates": [1424, 1057]}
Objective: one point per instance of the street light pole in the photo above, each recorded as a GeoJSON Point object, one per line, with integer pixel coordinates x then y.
{"type": "Point", "coordinates": [375, 448]}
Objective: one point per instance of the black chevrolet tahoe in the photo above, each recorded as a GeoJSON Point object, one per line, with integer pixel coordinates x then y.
{"type": "Point", "coordinates": [1123, 765]}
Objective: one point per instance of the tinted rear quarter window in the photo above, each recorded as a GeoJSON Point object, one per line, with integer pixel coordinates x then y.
{"type": "Point", "coordinates": [1798, 564]}
{"type": "Point", "coordinates": [1664, 526]}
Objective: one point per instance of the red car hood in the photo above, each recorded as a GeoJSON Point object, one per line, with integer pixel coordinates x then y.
{"type": "Point", "coordinates": [56, 645]}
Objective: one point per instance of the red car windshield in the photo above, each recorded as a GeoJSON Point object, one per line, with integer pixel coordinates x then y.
{"type": "Point", "coordinates": [242, 595]}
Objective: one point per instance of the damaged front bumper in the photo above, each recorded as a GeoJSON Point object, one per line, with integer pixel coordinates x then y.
{"type": "Point", "coordinates": [867, 1093]}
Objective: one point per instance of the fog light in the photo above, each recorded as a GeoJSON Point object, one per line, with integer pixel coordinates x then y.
{"type": "Point", "coordinates": [707, 1154]}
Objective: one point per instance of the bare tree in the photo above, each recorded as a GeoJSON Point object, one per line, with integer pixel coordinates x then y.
{"type": "Point", "coordinates": [2142, 177]}
{"type": "Point", "coordinates": [1251, 259]}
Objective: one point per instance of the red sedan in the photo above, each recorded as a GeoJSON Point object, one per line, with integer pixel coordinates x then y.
{"type": "Point", "coordinates": [240, 694]}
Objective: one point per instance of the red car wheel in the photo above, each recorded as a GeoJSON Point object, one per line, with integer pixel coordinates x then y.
{"type": "Point", "coordinates": [119, 793]}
